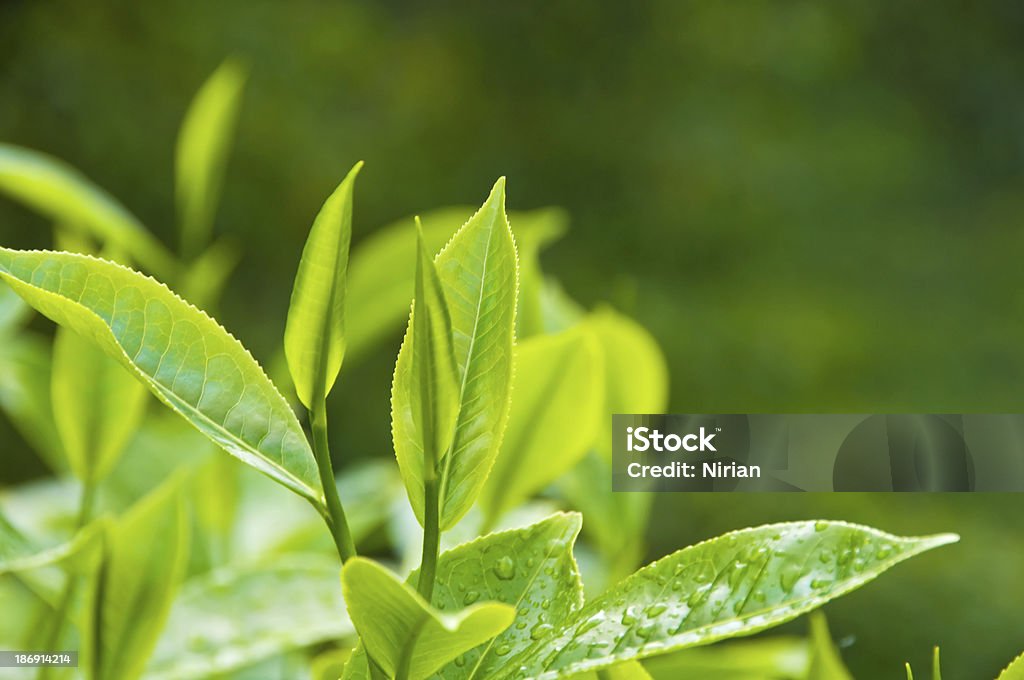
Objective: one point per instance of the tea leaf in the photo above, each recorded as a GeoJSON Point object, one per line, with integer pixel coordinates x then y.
{"type": "Point", "coordinates": [314, 338]}
{"type": "Point", "coordinates": [733, 585]}
{"type": "Point", "coordinates": [18, 554]}
{"type": "Point", "coordinates": [541, 228]}
{"type": "Point", "coordinates": [1015, 671]}
{"type": "Point", "coordinates": [402, 632]}
{"type": "Point", "coordinates": [202, 151]}
{"type": "Point", "coordinates": [826, 663]}
{"type": "Point", "coordinates": [204, 280]}
{"type": "Point", "coordinates": [97, 405]}
{"type": "Point", "coordinates": [183, 356]}
{"type": "Point", "coordinates": [477, 270]}
{"type": "Point", "coordinates": [627, 670]}
{"type": "Point", "coordinates": [13, 310]}
{"type": "Point", "coordinates": [554, 417]}
{"type": "Point", "coordinates": [378, 299]}
{"type": "Point", "coordinates": [238, 615]}
{"type": "Point", "coordinates": [143, 561]}
{"type": "Point", "coordinates": [25, 363]}
{"type": "Point", "coordinates": [61, 193]}
{"type": "Point", "coordinates": [772, 658]}
{"type": "Point", "coordinates": [936, 665]}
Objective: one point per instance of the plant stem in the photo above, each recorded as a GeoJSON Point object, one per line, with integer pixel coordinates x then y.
{"type": "Point", "coordinates": [336, 513]}
{"type": "Point", "coordinates": [60, 614]}
{"type": "Point", "coordinates": [431, 536]}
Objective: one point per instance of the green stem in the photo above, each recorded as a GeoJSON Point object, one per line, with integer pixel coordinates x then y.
{"type": "Point", "coordinates": [431, 537]}
{"type": "Point", "coordinates": [336, 513]}
{"type": "Point", "coordinates": [60, 614]}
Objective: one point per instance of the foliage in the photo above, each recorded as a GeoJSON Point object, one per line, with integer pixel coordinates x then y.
{"type": "Point", "coordinates": [478, 420]}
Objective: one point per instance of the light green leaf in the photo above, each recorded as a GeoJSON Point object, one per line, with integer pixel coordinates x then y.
{"type": "Point", "coordinates": [627, 670]}
{"type": "Point", "coordinates": [238, 615]}
{"type": "Point", "coordinates": [143, 561]}
{"type": "Point", "coordinates": [542, 228]}
{"type": "Point", "coordinates": [207, 275]}
{"type": "Point", "coordinates": [402, 632]}
{"type": "Point", "coordinates": [202, 152]}
{"type": "Point", "coordinates": [191, 363]}
{"type": "Point", "coordinates": [13, 310]}
{"type": "Point", "coordinates": [61, 193]}
{"type": "Point", "coordinates": [378, 300]}
{"type": "Point", "coordinates": [826, 663]}
{"type": "Point", "coordinates": [314, 338]}
{"type": "Point", "coordinates": [737, 584]}
{"type": "Point", "coordinates": [772, 658]}
{"type": "Point", "coordinates": [1015, 671]}
{"type": "Point", "coordinates": [25, 363]}
{"type": "Point", "coordinates": [18, 554]}
{"type": "Point", "coordinates": [97, 405]}
{"type": "Point", "coordinates": [477, 270]}
{"type": "Point", "coordinates": [558, 393]}
{"type": "Point", "coordinates": [910, 671]}
{"type": "Point", "coordinates": [936, 665]}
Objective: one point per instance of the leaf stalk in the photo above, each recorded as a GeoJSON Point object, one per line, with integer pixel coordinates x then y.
{"type": "Point", "coordinates": [336, 520]}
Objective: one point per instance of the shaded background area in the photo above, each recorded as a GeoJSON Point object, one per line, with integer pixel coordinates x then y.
{"type": "Point", "coordinates": [813, 208]}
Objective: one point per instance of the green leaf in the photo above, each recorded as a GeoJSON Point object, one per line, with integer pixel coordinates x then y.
{"type": "Point", "coordinates": [238, 615]}
{"type": "Point", "coordinates": [936, 665]}
{"type": "Point", "coordinates": [378, 300]}
{"type": "Point", "coordinates": [554, 418]}
{"type": "Point", "coordinates": [737, 584]}
{"type": "Point", "coordinates": [826, 663]}
{"type": "Point", "coordinates": [97, 405]}
{"type": "Point", "coordinates": [144, 559]}
{"type": "Point", "coordinates": [314, 338]}
{"type": "Point", "coordinates": [771, 658]}
{"type": "Point", "coordinates": [542, 228]}
{"type": "Point", "coordinates": [202, 152]}
{"type": "Point", "coordinates": [1015, 671]}
{"type": "Point", "coordinates": [64, 195]}
{"type": "Point", "coordinates": [13, 310]}
{"type": "Point", "coordinates": [402, 632]}
{"type": "Point", "coordinates": [18, 554]}
{"type": "Point", "coordinates": [25, 374]}
{"type": "Point", "coordinates": [185, 358]}
{"type": "Point", "coordinates": [628, 670]}
{"type": "Point", "coordinates": [477, 270]}
{"type": "Point", "coordinates": [207, 275]}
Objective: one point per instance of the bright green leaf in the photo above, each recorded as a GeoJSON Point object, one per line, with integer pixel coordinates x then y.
{"type": "Point", "coordinates": [13, 310]}
{"type": "Point", "coordinates": [773, 658]}
{"type": "Point", "coordinates": [18, 554]}
{"type": "Point", "coordinates": [61, 193]}
{"type": "Point", "coordinates": [627, 670]}
{"type": "Point", "coordinates": [554, 418]}
{"type": "Point", "coordinates": [190, 362]}
{"type": "Point", "coordinates": [826, 663]}
{"type": "Point", "coordinates": [97, 405]}
{"type": "Point", "coordinates": [25, 364]}
{"type": "Point", "coordinates": [1015, 671]}
{"type": "Point", "coordinates": [936, 665]}
{"type": "Point", "coordinates": [238, 615]}
{"type": "Point", "coordinates": [202, 152]}
{"type": "Point", "coordinates": [541, 228]}
{"type": "Point", "coordinates": [143, 561]}
{"type": "Point", "coordinates": [402, 632]}
{"type": "Point", "coordinates": [204, 280]}
{"type": "Point", "coordinates": [732, 585]}
{"type": "Point", "coordinates": [478, 273]}
{"type": "Point", "coordinates": [314, 338]}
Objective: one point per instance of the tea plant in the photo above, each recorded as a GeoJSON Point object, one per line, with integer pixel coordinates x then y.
{"type": "Point", "coordinates": [502, 390]}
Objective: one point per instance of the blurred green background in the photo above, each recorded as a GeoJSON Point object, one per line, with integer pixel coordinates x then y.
{"type": "Point", "coordinates": [813, 207]}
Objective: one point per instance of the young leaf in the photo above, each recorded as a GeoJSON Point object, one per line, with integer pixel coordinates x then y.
{"type": "Point", "coordinates": [402, 632]}
{"type": "Point", "coordinates": [183, 356]}
{"type": "Point", "coordinates": [97, 405]}
{"type": "Point", "coordinates": [13, 310]}
{"type": "Point", "coordinates": [541, 228]}
{"type": "Point", "coordinates": [238, 615]}
{"type": "Point", "coordinates": [63, 194]}
{"type": "Point", "coordinates": [733, 585]}
{"type": "Point", "coordinates": [477, 270]}
{"type": "Point", "coordinates": [826, 663]}
{"type": "Point", "coordinates": [25, 374]}
{"type": "Point", "coordinates": [627, 670]}
{"type": "Point", "coordinates": [143, 561]}
{"type": "Point", "coordinates": [773, 658]}
{"type": "Point", "coordinates": [202, 151]}
{"type": "Point", "coordinates": [1015, 671]}
{"type": "Point", "coordinates": [936, 665]}
{"type": "Point", "coordinates": [18, 554]}
{"type": "Point", "coordinates": [553, 420]}
{"type": "Point", "coordinates": [314, 337]}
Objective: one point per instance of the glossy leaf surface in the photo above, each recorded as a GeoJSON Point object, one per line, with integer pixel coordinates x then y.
{"type": "Point", "coordinates": [202, 151]}
{"type": "Point", "coordinates": [405, 634]}
{"type": "Point", "coordinates": [314, 338]}
{"type": "Point", "coordinates": [477, 270]}
{"type": "Point", "coordinates": [144, 557]}
{"type": "Point", "coordinates": [238, 615]}
{"type": "Point", "coordinates": [63, 194]}
{"type": "Point", "coordinates": [736, 584]}
{"type": "Point", "coordinates": [554, 418]}
{"type": "Point", "coordinates": [185, 358]}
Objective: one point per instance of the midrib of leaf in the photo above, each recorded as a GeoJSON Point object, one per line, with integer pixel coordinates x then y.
{"type": "Point", "coordinates": [548, 553]}
{"type": "Point", "coordinates": [164, 392]}
{"type": "Point", "coordinates": [470, 355]}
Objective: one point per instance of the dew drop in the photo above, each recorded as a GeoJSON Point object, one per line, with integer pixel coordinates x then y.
{"type": "Point", "coordinates": [502, 650]}
{"type": "Point", "coordinates": [541, 630]}
{"type": "Point", "coordinates": [471, 597]}
{"type": "Point", "coordinates": [820, 526]}
{"type": "Point", "coordinates": [505, 569]}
